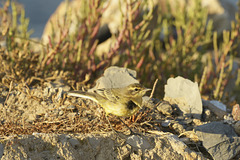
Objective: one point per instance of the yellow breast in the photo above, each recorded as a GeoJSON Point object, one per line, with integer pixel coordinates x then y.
{"type": "Point", "coordinates": [119, 109]}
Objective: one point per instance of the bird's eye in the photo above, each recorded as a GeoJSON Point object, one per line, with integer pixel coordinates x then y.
{"type": "Point", "coordinates": [136, 89]}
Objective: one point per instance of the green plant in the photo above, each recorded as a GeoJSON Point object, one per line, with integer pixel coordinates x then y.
{"type": "Point", "coordinates": [156, 44]}
{"type": "Point", "coordinates": [75, 51]}
{"type": "Point", "coordinates": [17, 56]}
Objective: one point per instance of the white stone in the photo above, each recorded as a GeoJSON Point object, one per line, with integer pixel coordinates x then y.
{"type": "Point", "coordinates": [185, 94]}
{"type": "Point", "coordinates": [116, 77]}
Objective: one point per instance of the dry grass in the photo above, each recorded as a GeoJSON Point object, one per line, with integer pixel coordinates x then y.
{"type": "Point", "coordinates": [28, 64]}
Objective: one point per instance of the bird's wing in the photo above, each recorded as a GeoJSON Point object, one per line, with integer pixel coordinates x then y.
{"type": "Point", "coordinates": [107, 93]}
{"type": "Point", "coordinates": [81, 94]}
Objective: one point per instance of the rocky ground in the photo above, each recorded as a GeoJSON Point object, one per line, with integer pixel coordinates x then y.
{"type": "Point", "coordinates": [40, 125]}
{"type": "Point", "coordinates": [43, 123]}
{"type": "Point", "coordinates": [39, 121]}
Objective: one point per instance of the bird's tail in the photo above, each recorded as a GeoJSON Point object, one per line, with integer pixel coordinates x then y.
{"type": "Point", "coordinates": [80, 94]}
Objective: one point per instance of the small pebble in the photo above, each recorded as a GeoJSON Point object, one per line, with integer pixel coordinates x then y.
{"type": "Point", "coordinates": [165, 108]}
{"type": "Point", "coordinates": [166, 123]}
{"type": "Point", "coordinates": [5, 93]}
{"type": "Point", "coordinates": [236, 112]}
{"type": "Point", "coordinates": [178, 128]}
{"type": "Point", "coordinates": [36, 134]}
{"type": "Point", "coordinates": [197, 122]}
{"type": "Point", "coordinates": [43, 103]}
{"type": "Point", "coordinates": [71, 107]}
{"type": "Point", "coordinates": [228, 119]}
{"type": "Point", "coordinates": [61, 113]}
{"type": "Point", "coordinates": [68, 107]}
{"type": "Point", "coordinates": [207, 114]}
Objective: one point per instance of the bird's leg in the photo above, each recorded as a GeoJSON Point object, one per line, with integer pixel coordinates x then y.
{"type": "Point", "coordinates": [115, 131]}
{"type": "Point", "coordinates": [132, 133]}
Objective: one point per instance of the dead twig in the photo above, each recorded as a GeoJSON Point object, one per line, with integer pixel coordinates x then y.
{"type": "Point", "coordinates": [153, 89]}
{"type": "Point", "coordinates": [10, 89]}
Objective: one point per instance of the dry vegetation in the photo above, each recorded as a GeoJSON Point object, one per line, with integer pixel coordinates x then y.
{"type": "Point", "coordinates": [27, 64]}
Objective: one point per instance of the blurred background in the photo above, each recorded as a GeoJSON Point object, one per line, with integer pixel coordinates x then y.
{"type": "Point", "coordinates": [198, 40]}
{"type": "Point", "coordinates": [39, 12]}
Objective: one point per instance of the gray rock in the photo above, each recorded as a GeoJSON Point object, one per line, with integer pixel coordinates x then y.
{"type": "Point", "coordinates": [219, 139]}
{"type": "Point", "coordinates": [74, 142]}
{"type": "Point", "coordinates": [221, 12]}
{"type": "Point", "coordinates": [216, 107]}
{"type": "Point", "coordinates": [149, 102]}
{"type": "Point", "coordinates": [138, 142]}
{"type": "Point", "coordinates": [237, 127]}
{"type": "Point", "coordinates": [116, 77]}
{"type": "Point", "coordinates": [165, 108]}
{"type": "Point", "coordinates": [185, 94]}
{"type": "Point", "coordinates": [1, 150]}
{"type": "Point", "coordinates": [158, 145]}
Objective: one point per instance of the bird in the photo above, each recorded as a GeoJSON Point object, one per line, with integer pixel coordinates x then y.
{"type": "Point", "coordinates": [121, 102]}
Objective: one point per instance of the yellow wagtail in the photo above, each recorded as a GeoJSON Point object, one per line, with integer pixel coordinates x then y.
{"type": "Point", "coordinates": [122, 102]}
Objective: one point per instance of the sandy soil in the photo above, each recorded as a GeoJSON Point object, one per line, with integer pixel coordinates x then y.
{"type": "Point", "coordinates": [42, 123]}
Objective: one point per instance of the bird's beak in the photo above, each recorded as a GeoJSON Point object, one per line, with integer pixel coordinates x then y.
{"type": "Point", "coordinates": [147, 89]}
